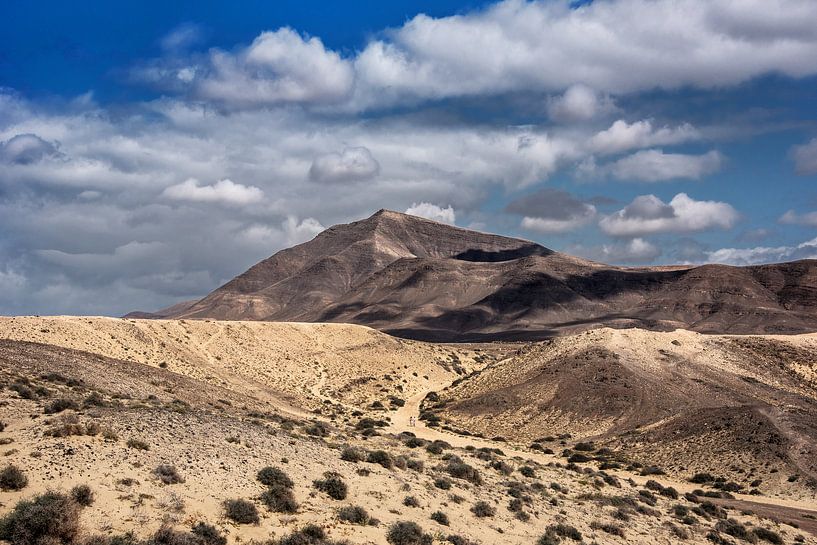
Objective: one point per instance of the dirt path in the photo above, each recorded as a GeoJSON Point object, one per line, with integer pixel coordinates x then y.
{"type": "Point", "coordinates": [778, 509]}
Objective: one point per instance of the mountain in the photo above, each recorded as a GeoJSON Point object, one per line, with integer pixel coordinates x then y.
{"type": "Point", "coordinates": [421, 279]}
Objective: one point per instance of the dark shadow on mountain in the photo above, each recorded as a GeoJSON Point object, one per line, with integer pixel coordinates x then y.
{"type": "Point", "coordinates": [484, 256]}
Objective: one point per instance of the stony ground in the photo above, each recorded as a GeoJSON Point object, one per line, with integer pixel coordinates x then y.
{"type": "Point", "coordinates": [75, 417]}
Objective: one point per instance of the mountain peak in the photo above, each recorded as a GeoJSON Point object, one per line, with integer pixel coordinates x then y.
{"type": "Point", "coordinates": [420, 278]}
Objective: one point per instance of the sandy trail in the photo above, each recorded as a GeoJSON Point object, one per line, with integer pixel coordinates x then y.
{"type": "Point", "coordinates": [779, 509]}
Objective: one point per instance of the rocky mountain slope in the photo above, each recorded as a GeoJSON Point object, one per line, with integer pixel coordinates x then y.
{"type": "Point", "coordinates": [421, 279]}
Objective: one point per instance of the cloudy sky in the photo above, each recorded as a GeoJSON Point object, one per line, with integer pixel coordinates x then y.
{"type": "Point", "coordinates": [150, 151]}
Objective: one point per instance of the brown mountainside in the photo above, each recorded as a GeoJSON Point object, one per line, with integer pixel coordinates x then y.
{"type": "Point", "coordinates": [422, 279]}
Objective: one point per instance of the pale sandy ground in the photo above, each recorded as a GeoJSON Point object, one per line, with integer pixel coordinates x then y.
{"type": "Point", "coordinates": [298, 364]}
{"type": "Point", "coordinates": [295, 367]}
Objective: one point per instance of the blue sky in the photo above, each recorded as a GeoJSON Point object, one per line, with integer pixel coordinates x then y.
{"type": "Point", "coordinates": [151, 151]}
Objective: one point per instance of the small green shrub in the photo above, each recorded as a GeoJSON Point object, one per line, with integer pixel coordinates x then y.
{"type": "Point", "coordinates": [354, 514]}
{"type": "Point", "coordinates": [59, 405]}
{"type": "Point", "coordinates": [440, 518]}
{"type": "Point", "coordinates": [241, 511]}
{"type": "Point", "coordinates": [13, 478]}
{"type": "Point", "coordinates": [332, 485]}
{"type": "Point", "coordinates": [407, 533]}
{"type": "Point", "coordinates": [51, 517]}
{"type": "Point", "coordinates": [168, 474]}
{"type": "Point", "coordinates": [273, 476]}
{"type": "Point", "coordinates": [352, 454]}
{"type": "Point", "coordinates": [381, 457]}
{"type": "Point", "coordinates": [137, 444]}
{"type": "Point", "coordinates": [83, 495]}
{"type": "Point", "coordinates": [279, 499]}
{"type": "Point", "coordinates": [483, 509]}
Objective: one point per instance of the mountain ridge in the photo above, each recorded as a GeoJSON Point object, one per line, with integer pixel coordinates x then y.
{"type": "Point", "coordinates": [418, 278]}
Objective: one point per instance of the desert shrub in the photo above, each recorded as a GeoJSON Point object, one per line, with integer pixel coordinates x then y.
{"type": "Point", "coordinates": [311, 534]}
{"type": "Point", "coordinates": [564, 530]}
{"type": "Point", "coordinates": [415, 465]}
{"type": "Point", "coordinates": [13, 478]}
{"type": "Point", "coordinates": [612, 529]}
{"type": "Point", "coordinates": [51, 517]}
{"type": "Point", "coordinates": [241, 511]}
{"type": "Point", "coordinates": [400, 462]}
{"type": "Point", "coordinates": [414, 442]}
{"type": "Point", "coordinates": [94, 399]}
{"type": "Point", "coordinates": [83, 495]}
{"type": "Point", "coordinates": [317, 429]}
{"type": "Point", "coordinates": [437, 447]}
{"type": "Point", "coordinates": [354, 514]}
{"type": "Point", "coordinates": [332, 485]}
{"type": "Point", "coordinates": [652, 470]}
{"type": "Point", "coordinates": [381, 457]}
{"type": "Point", "coordinates": [411, 501]}
{"type": "Point", "coordinates": [734, 528]}
{"type": "Point", "coordinates": [279, 499]}
{"type": "Point", "coordinates": [585, 447]}
{"type": "Point", "coordinates": [2, 426]}
{"type": "Point", "coordinates": [272, 476]}
{"type": "Point", "coordinates": [442, 483]}
{"type": "Point", "coordinates": [137, 444]}
{"type": "Point", "coordinates": [702, 478]}
{"type": "Point", "coordinates": [459, 540]}
{"type": "Point", "coordinates": [352, 454]}
{"type": "Point", "coordinates": [483, 509]}
{"type": "Point", "coordinates": [768, 535]}
{"type": "Point", "coordinates": [407, 533]}
{"type": "Point", "coordinates": [168, 474]}
{"type": "Point", "coordinates": [527, 471]}
{"type": "Point", "coordinates": [460, 470]}
{"type": "Point", "coordinates": [711, 509]}
{"type": "Point", "coordinates": [440, 518]}
{"type": "Point", "coordinates": [502, 467]}
{"type": "Point", "coordinates": [23, 391]}
{"type": "Point", "coordinates": [208, 534]}
{"type": "Point", "coordinates": [578, 458]}
{"type": "Point", "coordinates": [59, 405]}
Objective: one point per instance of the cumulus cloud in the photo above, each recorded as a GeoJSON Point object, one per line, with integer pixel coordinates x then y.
{"type": "Point", "coordinates": [657, 166]}
{"type": "Point", "coordinates": [433, 212]}
{"type": "Point", "coordinates": [805, 158]}
{"type": "Point", "coordinates": [24, 149]}
{"type": "Point", "coordinates": [280, 67]}
{"type": "Point", "coordinates": [224, 191]}
{"type": "Point", "coordinates": [552, 211]}
{"type": "Point", "coordinates": [647, 214]}
{"type": "Point", "coordinates": [622, 136]}
{"type": "Point", "coordinates": [352, 164]}
{"type": "Point", "coordinates": [764, 254]}
{"type": "Point", "coordinates": [636, 250]}
{"type": "Point", "coordinates": [620, 46]}
{"type": "Point", "coordinates": [579, 103]}
{"type": "Point", "coordinates": [793, 218]}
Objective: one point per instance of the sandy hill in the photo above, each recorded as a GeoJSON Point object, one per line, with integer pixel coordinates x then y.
{"type": "Point", "coordinates": [420, 279]}
{"type": "Point", "coordinates": [166, 420]}
{"type": "Point", "coordinates": [742, 407]}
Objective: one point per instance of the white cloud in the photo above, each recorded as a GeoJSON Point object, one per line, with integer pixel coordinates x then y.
{"type": "Point", "coordinates": [764, 254]}
{"type": "Point", "coordinates": [433, 212]}
{"type": "Point", "coordinates": [24, 149]}
{"type": "Point", "coordinates": [622, 136]}
{"type": "Point", "coordinates": [805, 158]}
{"type": "Point", "coordinates": [182, 37]}
{"type": "Point", "coordinates": [224, 191]}
{"type": "Point", "coordinates": [353, 164]}
{"type": "Point", "coordinates": [280, 67]}
{"type": "Point", "coordinates": [657, 166]}
{"type": "Point", "coordinates": [793, 218]}
{"type": "Point", "coordinates": [579, 103]}
{"type": "Point", "coordinates": [636, 250]}
{"type": "Point", "coordinates": [298, 232]}
{"type": "Point", "coordinates": [617, 46]}
{"type": "Point", "coordinates": [648, 214]}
